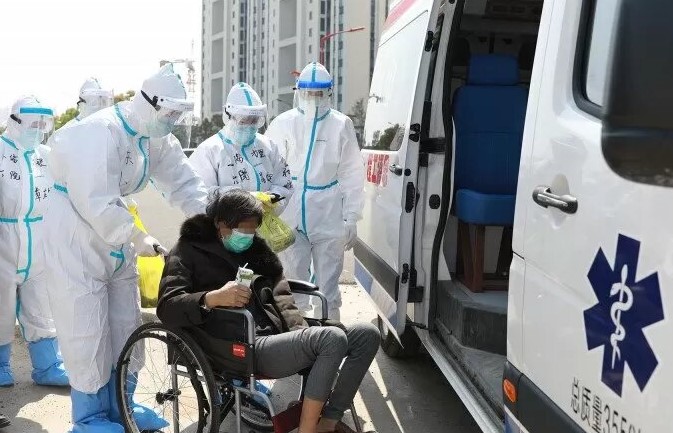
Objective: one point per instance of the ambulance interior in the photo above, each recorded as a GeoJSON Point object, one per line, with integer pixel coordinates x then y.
{"type": "Point", "coordinates": [491, 58]}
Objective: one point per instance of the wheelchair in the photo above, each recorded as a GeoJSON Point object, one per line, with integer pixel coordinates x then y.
{"type": "Point", "coordinates": [176, 379]}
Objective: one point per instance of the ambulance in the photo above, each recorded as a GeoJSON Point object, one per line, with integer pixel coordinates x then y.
{"type": "Point", "coordinates": [518, 224]}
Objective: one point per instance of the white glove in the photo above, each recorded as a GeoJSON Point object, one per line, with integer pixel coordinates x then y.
{"type": "Point", "coordinates": [147, 246]}
{"type": "Point", "coordinates": [351, 234]}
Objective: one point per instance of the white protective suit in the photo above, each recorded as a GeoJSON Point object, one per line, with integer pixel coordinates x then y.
{"type": "Point", "coordinates": [92, 267]}
{"type": "Point", "coordinates": [322, 150]}
{"type": "Point", "coordinates": [25, 188]}
{"type": "Point", "coordinates": [92, 98]}
{"type": "Point", "coordinates": [231, 159]}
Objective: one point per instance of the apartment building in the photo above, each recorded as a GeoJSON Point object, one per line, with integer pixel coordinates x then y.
{"type": "Point", "coordinates": [267, 42]}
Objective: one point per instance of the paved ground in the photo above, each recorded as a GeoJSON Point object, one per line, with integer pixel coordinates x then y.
{"type": "Point", "coordinates": [395, 397]}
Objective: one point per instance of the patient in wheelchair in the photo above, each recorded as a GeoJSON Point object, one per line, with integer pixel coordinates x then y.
{"type": "Point", "coordinates": [200, 275]}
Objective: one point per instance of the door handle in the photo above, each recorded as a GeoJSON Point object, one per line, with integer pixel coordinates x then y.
{"type": "Point", "coordinates": [543, 196]}
{"type": "Point", "coordinates": [395, 169]}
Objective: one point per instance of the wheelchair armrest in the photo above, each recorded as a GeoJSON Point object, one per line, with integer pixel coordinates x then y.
{"type": "Point", "coordinates": [235, 317]}
{"type": "Point", "coordinates": [308, 289]}
{"type": "Point", "coordinates": [300, 286]}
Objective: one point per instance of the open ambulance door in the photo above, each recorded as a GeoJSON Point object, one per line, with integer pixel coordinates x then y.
{"type": "Point", "coordinates": [384, 254]}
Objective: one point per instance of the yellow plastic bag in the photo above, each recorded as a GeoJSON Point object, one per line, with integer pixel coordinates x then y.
{"type": "Point", "coordinates": [149, 270]}
{"type": "Point", "coordinates": [273, 230]}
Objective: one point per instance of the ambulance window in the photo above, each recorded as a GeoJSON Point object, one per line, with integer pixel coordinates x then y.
{"type": "Point", "coordinates": [601, 24]}
{"type": "Point", "coordinates": [393, 88]}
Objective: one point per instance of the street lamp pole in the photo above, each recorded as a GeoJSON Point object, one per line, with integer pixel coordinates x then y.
{"type": "Point", "coordinates": [324, 39]}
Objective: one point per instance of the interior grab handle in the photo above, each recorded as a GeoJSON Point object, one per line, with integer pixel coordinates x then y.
{"type": "Point", "coordinates": [543, 196]}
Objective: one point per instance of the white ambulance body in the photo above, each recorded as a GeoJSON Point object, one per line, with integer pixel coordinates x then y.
{"type": "Point", "coordinates": [579, 334]}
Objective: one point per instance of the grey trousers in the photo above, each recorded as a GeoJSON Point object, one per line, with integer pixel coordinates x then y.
{"type": "Point", "coordinates": [322, 348]}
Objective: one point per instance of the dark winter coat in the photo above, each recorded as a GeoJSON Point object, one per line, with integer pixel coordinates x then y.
{"type": "Point", "coordinates": [199, 263]}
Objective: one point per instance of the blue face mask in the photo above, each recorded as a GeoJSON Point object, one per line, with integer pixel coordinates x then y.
{"type": "Point", "coordinates": [244, 134]}
{"type": "Point", "coordinates": [30, 138]}
{"type": "Point", "coordinates": [237, 242]}
{"type": "Point", "coordinates": [159, 128]}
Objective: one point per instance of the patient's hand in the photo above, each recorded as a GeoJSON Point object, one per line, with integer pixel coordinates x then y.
{"type": "Point", "coordinates": [231, 295]}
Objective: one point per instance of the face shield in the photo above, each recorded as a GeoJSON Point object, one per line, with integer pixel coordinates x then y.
{"type": "Point", "coordinates": [94, 100]}
{"type": "Point", "coordinates": [244, 122]}
{"type": "Point", "coordinates": [311, 99]}
{"type": "Point", "coordinates": [171, 116]}
{"type": "Point", "coordinates": [35, 125]}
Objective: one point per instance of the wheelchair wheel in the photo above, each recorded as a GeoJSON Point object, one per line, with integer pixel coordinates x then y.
{"type": "Point", "coordinates": [165, 384]}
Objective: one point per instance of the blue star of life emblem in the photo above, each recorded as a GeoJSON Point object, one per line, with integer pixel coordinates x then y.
{"type": "Point", "coordinates": [625, 306]}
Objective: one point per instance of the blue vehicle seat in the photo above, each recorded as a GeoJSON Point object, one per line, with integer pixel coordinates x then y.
{"type": "Point", "coordinates": [489, 113]}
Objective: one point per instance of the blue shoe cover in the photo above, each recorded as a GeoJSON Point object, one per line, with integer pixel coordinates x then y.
{"type": "Point", "coordinates": [47, 363]}
{"type": "Point", "coordinates": [145, 417]}
{"type": "Point", "coordinates": [6, 376]}
{"type": "Point", "coordinates": [90, 413]}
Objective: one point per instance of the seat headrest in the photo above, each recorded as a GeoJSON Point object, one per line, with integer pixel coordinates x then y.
{"type": "Point", "coordinates": [493, 70]}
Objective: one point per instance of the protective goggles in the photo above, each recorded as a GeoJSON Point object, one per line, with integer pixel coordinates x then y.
{"type": "Point", "coordinates": [247, 115]}
{"type": "Point", "coordinates": [35, 118]}
{"type": "Point", "coordinates": [97, 98]}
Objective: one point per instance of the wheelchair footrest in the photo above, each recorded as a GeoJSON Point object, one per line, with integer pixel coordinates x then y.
{"type": "Point", "coordinates": [287, 420]}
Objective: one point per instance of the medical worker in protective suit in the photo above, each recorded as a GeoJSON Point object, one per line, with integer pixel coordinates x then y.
{"type": "Point", "coordinates": [25, 188]}
{"type": "Point", "coordinates": [93, 242]}
{"type": "Point", "coordinates": [239, 157]}
{"type": "Point", "coordinates": [322, 151]}
{"type": "Point", "coordinates": [92, 98]}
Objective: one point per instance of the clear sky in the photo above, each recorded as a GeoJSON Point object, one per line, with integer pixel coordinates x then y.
{"type": "Point", "coordinates": [49, 47]}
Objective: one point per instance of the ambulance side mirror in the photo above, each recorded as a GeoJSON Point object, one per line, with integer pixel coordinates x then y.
{"type": "Point", "coordinates": [637, 136]}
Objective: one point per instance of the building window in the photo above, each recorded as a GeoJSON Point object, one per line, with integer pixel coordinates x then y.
{"type": "Point", "coordinates": [310, 15]}
{"type": "Point", "coordinates": [310, 32]}
{"type": "Point", "coordinates": [310, 49]}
